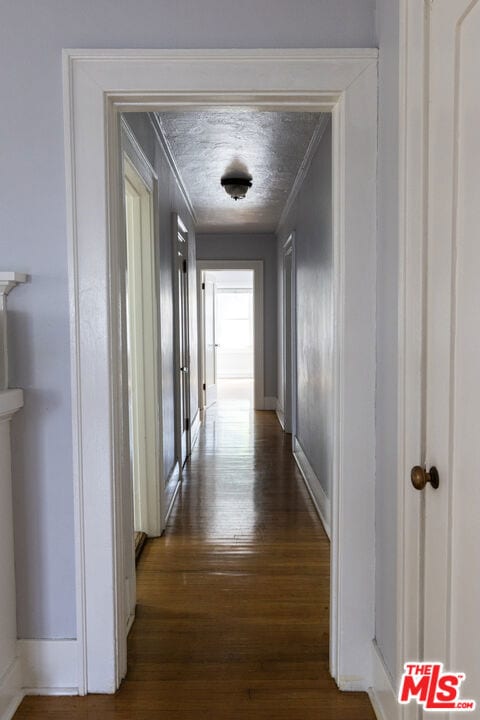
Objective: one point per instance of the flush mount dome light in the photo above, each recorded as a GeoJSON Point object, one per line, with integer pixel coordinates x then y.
{"type": "Point", "coordinates": [236, 187]}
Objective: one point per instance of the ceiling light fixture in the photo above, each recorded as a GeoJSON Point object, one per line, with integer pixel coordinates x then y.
{"type": "Point", "coordinates": [236, 187]}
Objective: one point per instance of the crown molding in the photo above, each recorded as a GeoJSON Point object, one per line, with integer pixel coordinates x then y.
{"type": "Point", "coordinates": [304, 168]}
{"type": "Point", "coordinates": [167, 151]}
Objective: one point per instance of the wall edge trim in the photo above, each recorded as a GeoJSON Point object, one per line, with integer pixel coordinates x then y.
{"type": "Point", "coordinates": [312, 483]}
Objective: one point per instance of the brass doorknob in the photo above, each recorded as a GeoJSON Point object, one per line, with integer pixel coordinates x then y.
{"type": "Point", "coordinates": [420, 477]}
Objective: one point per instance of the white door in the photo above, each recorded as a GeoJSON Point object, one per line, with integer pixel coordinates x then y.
{"type": "Point", "coordinates": [210, 347]}
{"type": "Point", "coordinates": [182, 342]}
{"type": "Point", "coordinates": [451, 610]}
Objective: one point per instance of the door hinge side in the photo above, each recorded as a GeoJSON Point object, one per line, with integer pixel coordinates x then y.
{"type": "Point", "coordinates": [203, 286]}
{"type": "Point", "coordinates": [184, 266]}
{"type": "Point", "coordinates": [187, 423]}
{"type": "Point", "coordinates": [204, 386]}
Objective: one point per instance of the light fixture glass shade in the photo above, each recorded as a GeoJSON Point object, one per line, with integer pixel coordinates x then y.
{"type": "Point", "coordinates": [237, 188]}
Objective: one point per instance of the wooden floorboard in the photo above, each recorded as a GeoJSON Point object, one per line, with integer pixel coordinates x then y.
{"type": "Point", "coordinates": [232, 615]}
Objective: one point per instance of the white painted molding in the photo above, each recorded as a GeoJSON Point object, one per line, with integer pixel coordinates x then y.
{"type": "Point", "coordinates": [303, 170]}
{"type": "Point", "coordinates": [382, 693]}
{"type": "Point", "coordinates": [413, 164]}
{"type": "Point", "coordinates": [10, 401]}
{"type": "Point", "coordinates": [175, 478]}
{"type": "Point", "coordinates": [11, 693]}
{"type": "Point", "coordinates": [317, 493]}
{"type": "Point", "coordinates": [270, 403]}
{"type": "Point", "coordinates": [10, 680]}
{"type": "Point", "coordinates": [280, 415]}
{"type": "Point", "coordinates": [49, 667]}
{"type": "Point", "coordinates": [98, 86]}
{"type": "Point", "coordinates": [196, 423]}
{"type": "Point", "coordinates": [170, 158]}
{"type": "Point", "coordinates": [136, 155]}
{"type": "Point", "coordinates": [258, 323]}
{"type": "Point", "coordinates": [8, 280]}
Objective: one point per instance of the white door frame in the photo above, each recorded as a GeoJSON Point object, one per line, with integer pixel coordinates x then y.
{"type": "Point", "coordinates": [179, 228]}
{"type": "Point", "coordinates": [289, 331]}
{"type": "Point", "coordinates": [151, 494]}
{"type": "Point", "coordinates": [413, 124]}
{"type": "Point", "coordinates": [412, 234]}
{"type": "Point", "coordinates": [99, 85]}
{"type": "Point", "coordinates": [258, 338]}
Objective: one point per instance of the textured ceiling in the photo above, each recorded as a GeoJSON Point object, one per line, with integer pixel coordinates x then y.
{"type": "Point", "coordinates": [268, 146]}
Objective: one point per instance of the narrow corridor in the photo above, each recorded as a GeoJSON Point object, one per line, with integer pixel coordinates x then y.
{"type": "Point", "coordinates": [232, 614]}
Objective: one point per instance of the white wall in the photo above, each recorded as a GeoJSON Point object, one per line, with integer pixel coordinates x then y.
{"type": "Point", "coordinates": [33, 238]}
{"type": "Point", "coordinates": [311, 219]}
{"type": "Point", "coordinates": [234, 246]}
{"type": "Point", "coordinates": [387, 290]}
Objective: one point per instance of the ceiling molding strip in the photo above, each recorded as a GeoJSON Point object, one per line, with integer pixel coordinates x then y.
{"type": "Point", "coordinates": [167, 151]}
{"type": "Point", "coordinates": [304, 168]}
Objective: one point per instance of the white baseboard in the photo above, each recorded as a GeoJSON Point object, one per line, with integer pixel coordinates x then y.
{"type": "Point", "coordinates": [197, 421]}
{"type": "Point", "coordinates": [270, 403]}
{"type": "Point", "coordinates": [317, 493]}
{"type": "Point", "coordinates": [11, 693]}
{"type": "Point", "coordinates": [280, 415]}
{"type": "Point", "coordinates": [173, 479]}
{"type": "Point", "coordinates": [49, 667]}
{"type": "Point", "coordinates": [382, 694]}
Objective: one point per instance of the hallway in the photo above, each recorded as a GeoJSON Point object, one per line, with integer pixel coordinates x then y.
{"type": "Point", "coordinates": [232, 613]}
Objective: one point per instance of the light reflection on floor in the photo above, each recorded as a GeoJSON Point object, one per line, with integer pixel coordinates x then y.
{"type": "Point", "coordinates": [235, 393]}
{"type": "Point", "coordinates": [228, 438]}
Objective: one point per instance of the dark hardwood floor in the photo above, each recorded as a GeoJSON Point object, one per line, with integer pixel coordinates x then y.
{"type": "Point", "coordinates": [232, 615]}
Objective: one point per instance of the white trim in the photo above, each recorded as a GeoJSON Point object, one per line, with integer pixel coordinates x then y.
{"type": "Point", "coordinates": [258, 320]}
{"type": "Point", "coordinates": [317, 493]}
{"type": "Point", "coordinates": [181, 243]}
{"type": "Point", "coordinates": [11, 693]}
{"type": "Point", "coordinates": [270, 403]}
{"type": "Point", "coordinates": [145, 334]}
{"type": "Point", "coordinates": [99, 84]}
{"type": "Point", "coordinates": [175, 475]}
{"type": "Point", "coordinates": [315, 140]}
{"type": "Point", "coordinates": [167, 151]}
{"type": "Point", "coordinates": [195, 428]}
{"type": "Point", "coordinates": [49, 667]}
{"type": "Point", "coordinates": [288, 248]}
{"type": "Point", "coordinates": [413, 102]}
{"type": "Point", "coordinates": [136, 155]}
{"type": "Point", "coordinates": [382, 693]}
{"type": "Point", "coordinates": [280, 415]}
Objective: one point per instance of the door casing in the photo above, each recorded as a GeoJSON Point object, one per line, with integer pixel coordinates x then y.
{"type": "Point", "coordinates": [287, 414]}
{"type": "Point", "coordinates": [98, 86]}
{"type": "Point", "coordinates": [182, 339]}
{"type": "Point", "coordinates": [258, 309]}
{"type": "Point", "coordinates": [146, 344]}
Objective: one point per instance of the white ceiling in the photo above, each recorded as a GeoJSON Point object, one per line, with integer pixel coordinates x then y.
{"type": "Point", "coordinates": [209, 144]}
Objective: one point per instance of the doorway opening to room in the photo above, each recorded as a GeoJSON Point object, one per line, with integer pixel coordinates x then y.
{"type": "Point", "coordinates": [343, 85]}
{"type": "Point", "coordinates": [228, 338]}
{"type": "Point", "coordinates": [230, 301]}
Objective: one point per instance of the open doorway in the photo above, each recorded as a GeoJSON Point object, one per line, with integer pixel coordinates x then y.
{"type": "Point", "coordinates": [344, 85]}
{"type": "Point", "coordinates": [230, 333]}
{"type": "Point", "coordinates": [228, 337]}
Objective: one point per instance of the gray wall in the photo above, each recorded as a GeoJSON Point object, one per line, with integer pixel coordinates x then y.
{"type": "Point", "coordinates": [169, 200]}
{"type": "Point", "coordinates": [235, 246]}
{"type": "Point", "coordinates": [311, 219]}
{"type": "Point", "coordinates": [387, 289]}
{"type": "Point", "coordinates": [33, 237]}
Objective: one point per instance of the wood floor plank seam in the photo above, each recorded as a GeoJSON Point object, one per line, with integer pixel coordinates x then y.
{"type": "Point", "coordinates": [233, 601]}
